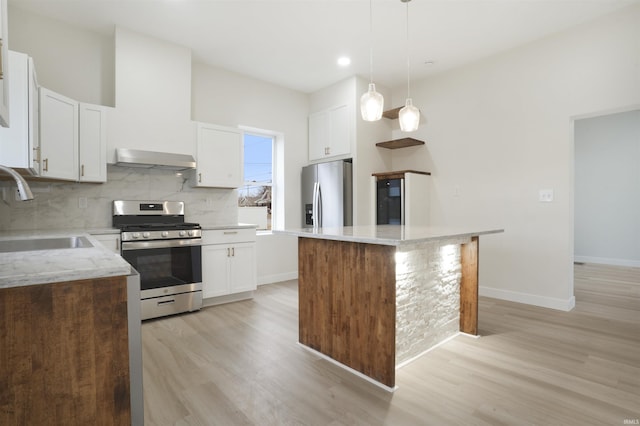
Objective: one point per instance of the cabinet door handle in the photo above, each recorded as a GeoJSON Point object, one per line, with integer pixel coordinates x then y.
{"type": "Point", "coordinates": [82, 170]}
{"type": "Point", "coordinates": [230, 232]}
{"type": "Point", "coordinates": [46, 164]}
{"type": "Point", "coordinates": [199, 177]}
{"type": "Point", "coordinates": [233, 252]}
{"type": "Point", "coordinates": [228, 252]}
{"type": "Point", "coordinates": [37, 155]}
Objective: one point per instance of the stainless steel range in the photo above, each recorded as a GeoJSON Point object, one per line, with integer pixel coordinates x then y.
{"type": "Point", "coordinates": [167, 253]}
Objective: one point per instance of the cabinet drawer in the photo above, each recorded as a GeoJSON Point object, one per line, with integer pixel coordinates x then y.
{"type": "Point", "coordinates": [224, 236]}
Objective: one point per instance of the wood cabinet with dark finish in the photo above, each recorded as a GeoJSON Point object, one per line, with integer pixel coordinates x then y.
{"type": "Point", "coordinates": [65, 353]}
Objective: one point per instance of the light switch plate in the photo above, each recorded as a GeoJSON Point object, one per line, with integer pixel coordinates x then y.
{"type": "Point", "coordinates": [545, 195]}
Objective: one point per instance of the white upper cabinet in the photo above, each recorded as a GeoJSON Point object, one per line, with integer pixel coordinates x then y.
{"type": "Point", "coordinates": [4, 69]}
{"type": "Point", "coordinates": [73, 139]}
{"type": "Point", "coordinates": [93, 143]}
{"type": "Point", "coordinates": [19, 144]}
{"type": "Point", "coordinates": [58, 136]}
{"type": "Point", "coordinates": [219, 156]}
{"type": "Point", "coordinates": [329, 133]}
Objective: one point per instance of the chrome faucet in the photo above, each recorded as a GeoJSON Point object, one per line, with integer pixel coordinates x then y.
{"type": "Point", "coordinates": [23, 187]}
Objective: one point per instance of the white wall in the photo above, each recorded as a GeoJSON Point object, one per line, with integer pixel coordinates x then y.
{"type": "Point", "coordinates": [80, 64]}
{"type": "Point", "coordinates": [367, 158]}
{"type": "Point", "coordinates": [226, 98]}
{"type": "Point", "coordinates": [501, 129]}
{"type": "Point", "coordinates": [153, 96]}
{"type": "Point", "coordinates": [277, 258]}
{"type": "Point", "coordinates": [68, 60]}
{"type": "Point", "coordinates": [230, 99]}
{"type": "Point", "coordinates": [607, 189]}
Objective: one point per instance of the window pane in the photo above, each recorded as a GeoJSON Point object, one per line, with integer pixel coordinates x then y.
{"type": "Point", "coordinates": [258, 158]}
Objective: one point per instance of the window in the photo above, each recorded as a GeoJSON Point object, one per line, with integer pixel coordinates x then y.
{"type": "Point", "coordinates": [254, 197]}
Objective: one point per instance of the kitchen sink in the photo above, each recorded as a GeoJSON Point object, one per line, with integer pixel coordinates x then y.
{"type": "Point", "coordinates": [57, 243]}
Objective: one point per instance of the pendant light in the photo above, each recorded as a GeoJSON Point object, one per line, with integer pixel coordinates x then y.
{"type": "Point", "coordinates": [372, 102]}
{"type": "Point", "coordinates": [409, 116]}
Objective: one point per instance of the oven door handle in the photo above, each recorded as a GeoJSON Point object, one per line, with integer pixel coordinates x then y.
{"type": "Point", "coordinates": [138, 245]}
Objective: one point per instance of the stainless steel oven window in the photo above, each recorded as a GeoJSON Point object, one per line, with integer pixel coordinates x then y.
{"type": "Point", "coordinates": [166, 266]}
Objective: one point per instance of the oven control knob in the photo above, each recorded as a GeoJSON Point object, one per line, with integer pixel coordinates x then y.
{"type": "Point", "coordinates": [182, 233]}
{"type": "Point", "coordinates": [145, 235]}
{"type": "Point", "coordinates": [165, 233]}
{"type": "Point", "coordinates": [135, 235]}
{"type": "Point", "coordinates": [191, 233]}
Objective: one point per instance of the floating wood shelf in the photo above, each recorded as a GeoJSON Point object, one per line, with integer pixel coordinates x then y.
{"type": "Point", "coordinates": [392, 114]}
{"type": "Point", "coordinates": [400, 143]}
{"type": "Point", "coordinates": [397, 174]}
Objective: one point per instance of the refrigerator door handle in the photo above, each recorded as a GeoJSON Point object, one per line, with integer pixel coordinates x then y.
{"type": "Point", "coordinates": [319, 206]}
{"type": "Point", "coordinates": [403, 200]}
{"type": "Point", "coordinates": [314, 207]}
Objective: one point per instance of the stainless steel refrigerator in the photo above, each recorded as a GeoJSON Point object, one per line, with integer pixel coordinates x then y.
{"type": "Point", "coordinates": [327, 195]}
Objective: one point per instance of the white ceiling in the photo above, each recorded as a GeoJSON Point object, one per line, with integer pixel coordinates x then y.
{"type": "Point", "coordinates": [295, 43]}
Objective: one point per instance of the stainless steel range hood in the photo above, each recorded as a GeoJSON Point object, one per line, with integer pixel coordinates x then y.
{"type": "Point", "coordinates": [151, 159]}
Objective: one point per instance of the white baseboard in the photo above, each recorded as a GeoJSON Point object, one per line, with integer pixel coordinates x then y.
{"type": "Point", "coordinates": [349, 369]}
{"type": "Point", "coordinates": [276, 278]}
{"type": "Point", "coordinates": [607, 261]}
{"type": "Point", "coordinates": [529, 299]}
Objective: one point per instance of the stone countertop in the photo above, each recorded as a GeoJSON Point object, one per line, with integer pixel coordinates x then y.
{"type": "Point", "coordinates": [392, 235]}
{"type": "Point", "coordinates": [24, 268]}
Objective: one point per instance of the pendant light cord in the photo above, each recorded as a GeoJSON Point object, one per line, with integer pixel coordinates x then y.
{"type": "Point", "coordinates": [408, 61]}
{"type": "Point", "coordinates": [371, 41]}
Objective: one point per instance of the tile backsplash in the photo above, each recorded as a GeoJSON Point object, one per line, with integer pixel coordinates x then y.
{"type": "Point", "coordinates": [73, 205]}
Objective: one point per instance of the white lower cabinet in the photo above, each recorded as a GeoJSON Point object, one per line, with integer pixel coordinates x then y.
{"type": "Point", "coordinates": [228, 262]}
{"type": "Point", "coordinates": [110, 241]}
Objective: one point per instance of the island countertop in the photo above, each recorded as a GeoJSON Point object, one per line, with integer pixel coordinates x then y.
{"type": "Point", "coordinates": [391, 235]}
{"type": "Point", "coordinates": [23, 268]}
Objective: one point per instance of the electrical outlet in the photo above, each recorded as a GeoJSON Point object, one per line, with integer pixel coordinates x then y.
{"type": "Point", "coordinates": [82, 202]}
{"type": "Point", "coordinates": [545, 195]}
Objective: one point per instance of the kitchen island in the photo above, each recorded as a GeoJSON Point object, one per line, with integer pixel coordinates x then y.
{"type": "Point", "coordinates": [69, 331]}
{"type": "Point", "coordinates": [372, 298]}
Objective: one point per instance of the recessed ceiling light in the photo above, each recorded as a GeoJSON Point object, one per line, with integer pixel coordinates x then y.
{"type": "Point", "coordinates": [344, 61]}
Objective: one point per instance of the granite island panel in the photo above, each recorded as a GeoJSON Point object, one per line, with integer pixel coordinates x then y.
{"type": "Point", "coordinates": [394, 235]}
{"type": "Point", "coordinates": [372, 298]}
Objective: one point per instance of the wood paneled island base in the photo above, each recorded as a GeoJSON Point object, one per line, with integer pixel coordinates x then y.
{"type": "Point", "coordinates": [347, 309]}
{"type": "Point", "coordinates": [374, 306]}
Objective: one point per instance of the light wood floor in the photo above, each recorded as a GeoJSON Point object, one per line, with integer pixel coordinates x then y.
{"type": "Point", "coordinates": [239, 364]}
